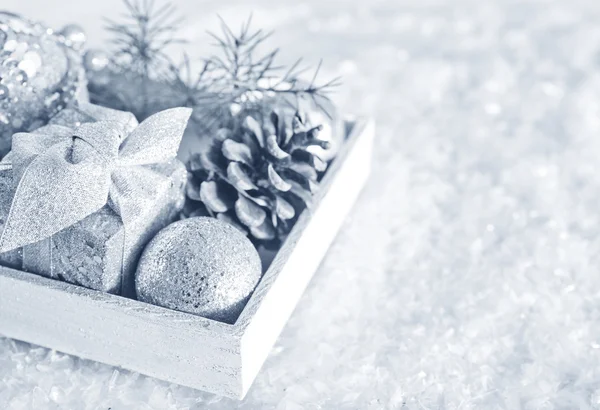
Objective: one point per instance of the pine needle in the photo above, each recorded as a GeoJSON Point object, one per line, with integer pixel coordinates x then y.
{"type": "Point", "coordinates": [142, 36]}
{"type": "Point", "coordinates": [240, 71]}
{"type": "Point", "coordinates": [238, 75]}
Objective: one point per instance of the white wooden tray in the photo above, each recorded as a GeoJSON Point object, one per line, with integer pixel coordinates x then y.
{"type": "Point", "coordinates": [180, 347]}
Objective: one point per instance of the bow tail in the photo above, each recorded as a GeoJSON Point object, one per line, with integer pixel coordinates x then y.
{"type": "Point", "coordinates": [131, 190]}
{"type": "Point", "coordinates": [53, 194]}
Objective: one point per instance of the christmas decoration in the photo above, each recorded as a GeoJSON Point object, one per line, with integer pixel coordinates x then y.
{"type": "Point", "coordinates": [86, 186]}
{"type": "Point", "coordinates": [89, 193]}
{"type": "Point", "coordinates": [88, 198]}
{"type": "Point", "coordinates": [258, 175]}
{"type": "Point", "coordinates": [40, 74]}
{"type": "Point", "coordinates": [201, 266]}
{"type": "Point", "coordinates": [95, 61]}
{"type": "Point", "coordinates": [73, 36]}
{"type": "Point", "coordinates": [233, 91]}
{"type": "Point", "coordinates": [131, 78]}
{"type": "Point", "coordinates": [265, 161]}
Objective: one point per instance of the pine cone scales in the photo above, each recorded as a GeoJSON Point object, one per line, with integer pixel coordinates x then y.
{"type": "Point", "coordinates": [259, 177]}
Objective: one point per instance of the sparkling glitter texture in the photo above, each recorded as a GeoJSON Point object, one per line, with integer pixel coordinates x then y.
{"type": "Point", "coordinates": [39, 74]}
{"type": "Point", "coordinates": [199, 265]}
{"type": "Point", "coordinates": [90, 253]}
{"type": "Point", "coordinates": [12, 259]}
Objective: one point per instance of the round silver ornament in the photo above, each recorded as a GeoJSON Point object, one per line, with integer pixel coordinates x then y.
{"type": "Point", "coordinates": [73, 36]}
{"type": "Point", "coordinates": [39, 75]}
{"type": "Point", "coordinates": [95, 60]}
{"type": "Point", "coordinates": [199, 265]}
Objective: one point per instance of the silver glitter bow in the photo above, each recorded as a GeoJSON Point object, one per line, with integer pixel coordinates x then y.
{"type": "Point", "coordinates": [63, 175]}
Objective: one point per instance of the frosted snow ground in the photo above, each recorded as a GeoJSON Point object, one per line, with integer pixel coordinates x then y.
{"type": "Point", "coordinates": [467, 275]}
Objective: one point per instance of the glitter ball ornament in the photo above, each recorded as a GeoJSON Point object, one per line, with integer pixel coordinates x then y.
{"type": "Point", "coordinates": [199, 265]}
{"type": "Point", "coordinates": [40, 73]}
{"type": "Point", "coordinates": [73, 36]}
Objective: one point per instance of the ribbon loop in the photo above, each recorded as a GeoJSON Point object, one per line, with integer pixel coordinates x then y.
{"type": "Point", "coordinates": [27, 146]}
{"type": "Point", "coordinates": [150, 142]}
{"type": "Point", "coordinates": [103, 136]}
{"type": "Point", "coordinates": [52, 194]}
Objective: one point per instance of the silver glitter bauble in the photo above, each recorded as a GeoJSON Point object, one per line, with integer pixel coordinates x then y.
{"type": "Point", "coordinates": [199, 265]}
{"type": "Point", "coordinates": [95, 60]}
{"type": "Point", "coordinates": [39, 76]}
{"type": "Point", "coordinates": [73, 36]}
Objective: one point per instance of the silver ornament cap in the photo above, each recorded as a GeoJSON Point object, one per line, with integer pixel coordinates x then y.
{"type": "Point", "coordinates": [95, 60]}
{"type": "Point", "coordinates": [202, 266]}
{"type": "Point", "coordinates": [74, 36]}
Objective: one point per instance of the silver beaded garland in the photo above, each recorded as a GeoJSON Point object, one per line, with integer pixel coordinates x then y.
{"type": "Point", "coordinates": [199, 265]}
{"type": "Point", "coordinates": [40, 73]}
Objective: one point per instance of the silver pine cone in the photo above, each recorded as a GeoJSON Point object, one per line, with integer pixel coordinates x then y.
{"type": "Point", "coordinates": [258, 175]}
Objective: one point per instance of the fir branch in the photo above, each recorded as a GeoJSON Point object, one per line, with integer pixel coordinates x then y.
{"type": "Point", "coordinates": [140, 40]}
{"type": "Point", "coordinates": [191, 90]}
{"type": "Point", "coordinates": [184, 82]}
{"type": "Point", "coordinates": [243, 77]}
{"type": "Point", "coordinates": [238, 78]}
{"type": "Point", "coordinates": [143, 35]}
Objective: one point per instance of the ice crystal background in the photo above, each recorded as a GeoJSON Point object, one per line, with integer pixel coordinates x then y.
{"type": "Point", "coordinates": [467, 276]}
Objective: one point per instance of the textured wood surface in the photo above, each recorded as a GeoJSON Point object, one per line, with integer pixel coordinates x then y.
{"type": "Point", "coordinates": [179, 347]}
{"type": "Point", "coordinates": [169, 345]}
